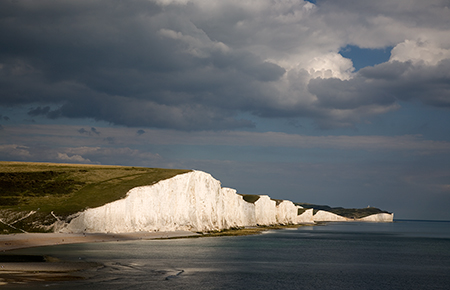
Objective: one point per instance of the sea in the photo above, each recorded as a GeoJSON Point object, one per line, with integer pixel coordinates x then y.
{"type": "Point", "coordinates": [405, 254]}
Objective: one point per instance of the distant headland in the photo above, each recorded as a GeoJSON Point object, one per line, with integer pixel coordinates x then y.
{"type": "Point", "coordinates": [72, 198]}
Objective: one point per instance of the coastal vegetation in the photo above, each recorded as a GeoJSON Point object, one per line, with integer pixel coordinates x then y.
{"type": "Point", "coordinates": [245, 231]}
{"type": "Point", "coordinates": [251, 198]}
{"type": "Point", "coordinates": [54, 191]}
{"type": "Point", "coordinates": [240, 231]}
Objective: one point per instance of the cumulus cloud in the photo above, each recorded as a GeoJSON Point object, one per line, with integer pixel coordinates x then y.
{"type": "Point", "coordinates": [120, 155]}
{"type": "Point", "coordinates": [196, 65]}
{"type": "Point", "coordinates": [383, 85]}
{"type": "Point", "coordinates": [14, 152]}
{"type": "Point", "coordinates": [83, 154]}
{"type": "Point", "coordinates": [419, 52]}
{"type": "Point", "coordinates": [73, 158]}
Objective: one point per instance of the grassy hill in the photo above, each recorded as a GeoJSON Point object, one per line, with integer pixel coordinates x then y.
{"type": "Point", "coordinates": [64, 189]}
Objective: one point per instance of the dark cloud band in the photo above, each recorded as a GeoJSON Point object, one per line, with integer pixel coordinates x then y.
{"type": "Point", "coordinates": [176, 66]}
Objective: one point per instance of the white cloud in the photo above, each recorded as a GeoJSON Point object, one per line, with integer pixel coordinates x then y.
{"type": "Point", "coordinates": [199, 46]}
{"type": "Point", "coordinates": [331, 65]}
{"type": "Point", "coordinates": [15, 151]}
{"type": "Point", "coordinates": [73, 158]}
{"type": "Point", "coordinates": [419, 52]}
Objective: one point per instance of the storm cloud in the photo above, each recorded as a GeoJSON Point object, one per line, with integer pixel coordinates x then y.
{"type": "Point", "coordinates": [199, 65]}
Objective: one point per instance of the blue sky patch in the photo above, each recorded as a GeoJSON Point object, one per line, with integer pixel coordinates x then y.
{"type": "Point", "coordinates": [363, 57]}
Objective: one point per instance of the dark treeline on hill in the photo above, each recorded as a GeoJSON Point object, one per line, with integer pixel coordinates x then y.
{"type": "Point", "coordinates": [354, 213]}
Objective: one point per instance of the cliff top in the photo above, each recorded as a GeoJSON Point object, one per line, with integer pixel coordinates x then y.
{"type": "Point", "coordinates": [353, 213]}
{"type": "Point", "coordinates": [69, 188]}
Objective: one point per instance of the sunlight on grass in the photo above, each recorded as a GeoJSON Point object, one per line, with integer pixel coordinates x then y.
{"type": "Point", "coordinates": [65, 189]}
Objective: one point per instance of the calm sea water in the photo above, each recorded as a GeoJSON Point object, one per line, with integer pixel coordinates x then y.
{"type": "Point", "coordinates": [399, 255]}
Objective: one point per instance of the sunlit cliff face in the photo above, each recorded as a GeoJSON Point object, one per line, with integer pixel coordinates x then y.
{"type": "Point", "coordinates": [193, 201]}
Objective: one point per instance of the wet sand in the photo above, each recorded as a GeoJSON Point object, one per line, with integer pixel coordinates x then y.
{"type": "Point", "coordinates": [27, 269]}
{"type": "Point", "coordinates": [27, 240]}
{"type": "Point", "coordinates": [50, 269]}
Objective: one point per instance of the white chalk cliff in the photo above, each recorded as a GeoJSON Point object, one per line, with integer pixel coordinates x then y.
{"type": "Point", "coordinates": [193, 201]}
{"type": "Point", "coordinates": [325, 216]}
{"type": "Point", "coordinates": [380, 217]}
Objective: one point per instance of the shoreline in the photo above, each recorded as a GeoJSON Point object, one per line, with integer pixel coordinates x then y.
{"type": "Point", "coordinates": [19, 269]}
{"type": "Point", "coordinates": [30, 268]}
{"type": "Point", "coordinates": [17, 241]}
{"type": "Point", "coordinates": [29, 240]}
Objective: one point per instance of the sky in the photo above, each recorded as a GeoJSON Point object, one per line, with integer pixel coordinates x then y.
{"type": "Point", "coordinates": [344, 103]}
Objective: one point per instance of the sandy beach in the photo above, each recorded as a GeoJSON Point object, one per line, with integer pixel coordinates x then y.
{"type": "Point", "coordinates": [27, 240]}
{"type": "Point", "coordinates": [23, 269]}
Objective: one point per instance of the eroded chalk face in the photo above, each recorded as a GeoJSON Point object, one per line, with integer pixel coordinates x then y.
{"type": "Point", "coordinates": [194, 201]}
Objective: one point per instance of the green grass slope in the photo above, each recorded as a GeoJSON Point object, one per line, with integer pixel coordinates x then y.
{"type": "Point", "coordinates": [64, 189]}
